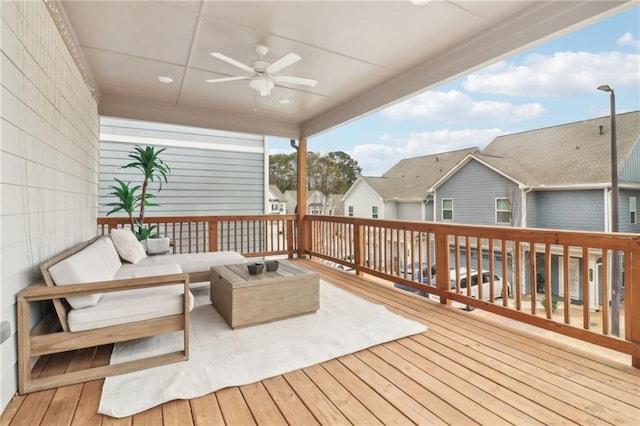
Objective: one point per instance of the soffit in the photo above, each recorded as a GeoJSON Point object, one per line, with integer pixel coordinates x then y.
{"type": "Point", "coordinates": [365, 55]}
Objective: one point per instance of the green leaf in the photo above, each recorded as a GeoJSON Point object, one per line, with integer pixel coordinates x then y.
{"type": "Point", "coordinates": [128, 200]}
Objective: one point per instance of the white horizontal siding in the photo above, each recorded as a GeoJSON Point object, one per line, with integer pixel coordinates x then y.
{"type": "Point", "coordinates": [48, 158]}
{"type": "Point", "coordinates": [212, 173]}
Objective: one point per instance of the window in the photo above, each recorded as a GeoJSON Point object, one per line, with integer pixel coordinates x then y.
{"type": "Point", "coordinates": [632, 210]}
{"type": "Point", "coordinates": [447, 209]}
{"type": "Point", "coordinates": [350, 210]}
{"type": "Point", "coordinates": [374, 212]}
{"type": "Point", "coordinates": [274, 207]}
{"type": "Point", "coordinates": [503, 210]}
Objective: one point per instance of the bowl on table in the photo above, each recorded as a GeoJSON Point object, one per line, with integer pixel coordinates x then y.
{"type": "Point", "coordinates": [272, 265]}
{"type": "Point", "coordinates": [255, 268]}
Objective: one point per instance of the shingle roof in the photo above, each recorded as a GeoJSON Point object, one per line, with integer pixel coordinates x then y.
{"type": "Point", "coordinates": [410, 178]}
{"type": "Point", "coordinates": [276, 192]}
{"type": "Point", "coordinates": [569, 154]}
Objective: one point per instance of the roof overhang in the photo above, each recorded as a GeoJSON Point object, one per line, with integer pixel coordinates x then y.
{"type": "Point", "coordinates": [365, 55]}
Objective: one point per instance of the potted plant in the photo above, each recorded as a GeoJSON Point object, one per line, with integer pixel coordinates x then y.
{"type": "Point", "coordinates": [554, 302]}
{"type": "Point", "coordinates": [146, 160]}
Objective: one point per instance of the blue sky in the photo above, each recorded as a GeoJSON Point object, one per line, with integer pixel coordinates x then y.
{"type": "Point", "coordinates": [551, 84]}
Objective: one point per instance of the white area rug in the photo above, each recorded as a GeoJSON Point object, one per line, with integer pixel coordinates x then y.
{"type": "Point", "coordinates": [221, 357]}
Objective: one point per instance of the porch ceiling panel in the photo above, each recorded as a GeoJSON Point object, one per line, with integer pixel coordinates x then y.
{"type": "Point", "coordinates": [365, 55]}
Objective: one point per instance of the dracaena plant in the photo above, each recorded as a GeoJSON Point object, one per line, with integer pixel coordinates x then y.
{"type": "Point", "coordinates": [147, 160]}
{"type": "Point", "coordinates": [153, 168]}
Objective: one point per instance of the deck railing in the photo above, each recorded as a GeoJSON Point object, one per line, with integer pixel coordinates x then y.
{"type": "Point", "coordinates": [262, 235]}
{"type": "Point", "coordinates": [538, 265]}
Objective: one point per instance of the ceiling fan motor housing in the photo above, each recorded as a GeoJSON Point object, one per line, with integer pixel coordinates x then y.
{"type": "Point", "coordinates": [260, 66]}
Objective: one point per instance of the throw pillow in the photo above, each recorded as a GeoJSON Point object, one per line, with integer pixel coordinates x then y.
{"type": "Point", "coordinates": [127, 245]}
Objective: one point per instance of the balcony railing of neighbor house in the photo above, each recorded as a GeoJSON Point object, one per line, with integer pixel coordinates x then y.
{"type": "Point", "coordinates": [532, 261]}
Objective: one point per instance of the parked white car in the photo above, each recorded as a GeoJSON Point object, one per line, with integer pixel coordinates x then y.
{"type": "Point", "coordinates": [473, 276]}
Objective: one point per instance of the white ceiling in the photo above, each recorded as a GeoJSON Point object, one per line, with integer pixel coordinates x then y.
{"type": "Point", "coordinates": [364, 54]}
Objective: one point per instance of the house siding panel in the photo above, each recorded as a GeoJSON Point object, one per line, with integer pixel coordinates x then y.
{"type": "Point", "coordinates": [624, 223]}
{"type": "Point", "coordinates": [428, 211]}
{"type": "Point", "coordinates": [363, 198]}
{"type": "Point", "coordinates": [221, 174]}
{"type": "Point", "coordinates": [630, 171]}
{"type": "Point", "coordinates": [532, 210]}
{"type": "Point", "coordinates": [571, 210]}
{"type": "Point", "coordinates": [409, 211]}
{"type": "Point", "coordinates": [48, 157]}
{"type": "Point", "coordinates": [474, 189]}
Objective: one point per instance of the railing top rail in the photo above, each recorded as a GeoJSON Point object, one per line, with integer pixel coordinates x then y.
{"type": "Point", "coordinates": [605, 240]}
{"type": "Point", "coordinates": [114, 220]}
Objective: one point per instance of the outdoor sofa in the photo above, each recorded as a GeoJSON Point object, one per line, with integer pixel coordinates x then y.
{"type": "Point", "coordinates": [108, 290]}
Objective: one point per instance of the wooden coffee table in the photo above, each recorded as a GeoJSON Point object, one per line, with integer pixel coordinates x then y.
{"type": "Point", "coordinates": [243, 299]}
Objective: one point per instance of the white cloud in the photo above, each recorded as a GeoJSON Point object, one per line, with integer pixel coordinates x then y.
{"type": "Point", "coordinates": [455, 106]}
{"type": "Point", "coordinates": [562, 74]}
{"type": "Point", "coordinates": [377, 158]}
{"type": "Point", "coordinates": [628, 40]}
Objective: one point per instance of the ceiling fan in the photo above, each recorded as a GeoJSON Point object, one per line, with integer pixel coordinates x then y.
{"type": "Point", "coordinates": [263, 74]}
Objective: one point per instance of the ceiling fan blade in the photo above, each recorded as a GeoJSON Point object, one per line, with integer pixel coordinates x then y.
{"type": "Point", "coordinates": [232, 61]}
{"type": "Point", "coordinates": [221, 80]}
{"type": "Point", "coordinates": [295, 80]}
{"type": "Point", "coordinates": [287, 60]}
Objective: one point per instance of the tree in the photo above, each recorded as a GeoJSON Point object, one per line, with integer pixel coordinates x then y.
{"type": "Point", "coordinates": [333, 173]}
{"type": "Point", "coordinates": [282, 171]}
{"type": "Point", "coordinates": [347, 171]}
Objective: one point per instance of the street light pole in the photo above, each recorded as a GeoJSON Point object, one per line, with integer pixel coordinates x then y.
{"type": "Point", "coordinates": [615, 261]}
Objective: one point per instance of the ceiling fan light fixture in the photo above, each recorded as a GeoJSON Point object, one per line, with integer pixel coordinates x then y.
{"type": "Point", "coordinates": [261, 84]}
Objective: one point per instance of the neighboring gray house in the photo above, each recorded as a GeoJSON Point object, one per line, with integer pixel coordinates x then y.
{"type": "Point", "coordinates": [317, 203]}
{"type": "Point", "coordinates": [401, 192]}
{"type": "Point", "coordinates": [335, 206]}
{"type": "Point", "coordinates": [277, 201]}
{"type": "Point", "coordinates": [557, 177]}
{"type": "Point", "coordinates": [291, 198]}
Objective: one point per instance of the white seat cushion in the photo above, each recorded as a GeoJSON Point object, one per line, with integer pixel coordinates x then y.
{"type": "Point", "coordinates": [195, 262]}
{"type": "Point", "coordinates": [132, 305]}
{"type": "Point", "coordinates": [123, 307]}
{"type": "Point", "coordinates": [129, 270]}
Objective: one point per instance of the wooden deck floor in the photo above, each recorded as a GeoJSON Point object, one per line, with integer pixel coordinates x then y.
{"type": "Point", "coordinates": [464, 370]}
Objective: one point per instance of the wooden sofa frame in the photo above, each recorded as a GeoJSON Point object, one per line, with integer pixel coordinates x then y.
{"type": "Point", "coordinates": [32, 345]}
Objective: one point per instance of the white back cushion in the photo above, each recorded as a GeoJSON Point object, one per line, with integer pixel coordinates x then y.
{"type": "Point", "coordinates": [127, 245]}
{"type": "Point", "coordinates": [108, 254]}
{"type": "Point", "coordinates": [86, 266]}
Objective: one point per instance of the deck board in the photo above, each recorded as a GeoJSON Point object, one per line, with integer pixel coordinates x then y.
{"type": "Point", "coordinates": [320, 407]}
{"type": "Point", "coordinates": [466, 369]}
{"type": "Point", "coordinates": [288, 402]}
{"type": "Point", "coordinates": [206, 411]}
{"type": "Point", "coordinates": [261, 405]}
{"type": "Point", "coordinates": [348, 405]}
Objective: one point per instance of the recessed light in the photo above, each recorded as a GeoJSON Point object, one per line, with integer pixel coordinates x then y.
{"type": "Point", "coordinates": [419, 2]}
{"type": "Point", "coordinates": [284, 101]}
{"type": "Point", "coordinates": [164, 79]}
